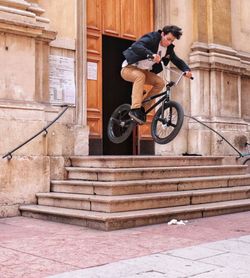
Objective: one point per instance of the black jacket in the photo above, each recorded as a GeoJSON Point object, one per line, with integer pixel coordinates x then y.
{"type": "Point", "coordinates": [148, 45]}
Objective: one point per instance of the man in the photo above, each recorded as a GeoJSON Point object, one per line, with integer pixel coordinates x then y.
{"type": "Point", "coordinates": [140, 70]}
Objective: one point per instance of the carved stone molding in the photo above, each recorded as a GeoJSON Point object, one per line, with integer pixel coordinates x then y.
{"type": "Point", "coordinates": [219, 57]}
{"type": "Point", "coordinates": [219, 96]}
{"type": "Point", "coordinates": [21, 11]}
{"type": "Point", "coordinates": [18, 4]}
{"type": "Point", "coordinates": [35, 8]}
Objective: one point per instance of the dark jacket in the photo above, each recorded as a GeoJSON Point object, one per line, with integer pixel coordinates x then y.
{"type": "Point", "coordinates": [148, 45]}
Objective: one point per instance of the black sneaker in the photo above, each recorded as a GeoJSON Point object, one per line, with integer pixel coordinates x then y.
{"type": "Point", "coordinates": [138, 115]}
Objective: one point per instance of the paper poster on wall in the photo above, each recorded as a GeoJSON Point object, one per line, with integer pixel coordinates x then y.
{"type": "Point", "coordinates": [61, 80]}
{"type": "Point", "coordinates": [92, 70]}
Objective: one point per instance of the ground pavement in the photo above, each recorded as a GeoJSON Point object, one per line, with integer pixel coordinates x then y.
{"type": "Point", "coordinates": [203, 248]}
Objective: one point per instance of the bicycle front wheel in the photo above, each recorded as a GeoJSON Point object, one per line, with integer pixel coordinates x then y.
{"type": "Point", "coordinates": [120, 124]}
{"type": "Point", "coordinates": [167, 122]}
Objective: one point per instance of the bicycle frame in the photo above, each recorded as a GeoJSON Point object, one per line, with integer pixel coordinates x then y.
{"type": "Point", "coordinates": [166, 94]}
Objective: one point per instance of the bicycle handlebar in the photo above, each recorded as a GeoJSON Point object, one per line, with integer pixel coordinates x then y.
{"type": "Point", "coordinates": [151, 57]}
{"type": "Point", "coordinates": [176, 72]}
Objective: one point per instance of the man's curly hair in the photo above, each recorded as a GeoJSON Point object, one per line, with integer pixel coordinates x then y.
{"type": "Point", "coordinates": [173, 29]}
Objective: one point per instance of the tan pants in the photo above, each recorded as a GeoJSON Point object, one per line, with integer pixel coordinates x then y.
{"type": "Point", "coordinates": [140, 77]}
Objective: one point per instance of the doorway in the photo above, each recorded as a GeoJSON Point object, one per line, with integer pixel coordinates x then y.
{"type": "Point", "coordinates": [116, 91]}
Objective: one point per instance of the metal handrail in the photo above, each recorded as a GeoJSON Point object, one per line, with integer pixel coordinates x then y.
{"type": "Point", "coordinates": [222, 137]}
{"type": "Point", "coordinates": [9, 154]}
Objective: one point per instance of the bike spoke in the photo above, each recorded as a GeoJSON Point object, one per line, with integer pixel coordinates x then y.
{"type": "Point", "coordinates": [120, 125]}
{"type": "Point", "coordinates": [165, 124]}
{"type": "Point", "coordinates": [115, 120]}
{"type": "Point", "coordinates": [163, 132]}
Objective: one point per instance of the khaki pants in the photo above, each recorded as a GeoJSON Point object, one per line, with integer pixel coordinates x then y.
{"type": "Point", "coordinates": [140, 77]}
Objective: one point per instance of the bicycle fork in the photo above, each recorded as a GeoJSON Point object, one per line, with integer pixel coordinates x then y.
{"type": "Point", "coordinates": [166, 120]}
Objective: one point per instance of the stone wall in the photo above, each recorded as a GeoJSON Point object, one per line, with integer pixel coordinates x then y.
{"type": "Point", "coordinates": [215, 39]}
{"type": "Point", "coordinates": [27, 38]}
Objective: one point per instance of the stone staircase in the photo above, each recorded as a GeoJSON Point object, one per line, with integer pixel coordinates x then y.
{"type": "Point", "coordinates": [111, 193]}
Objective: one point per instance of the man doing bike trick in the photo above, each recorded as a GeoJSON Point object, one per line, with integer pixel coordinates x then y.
{"type": "Point", "coordinates": [140, 70]}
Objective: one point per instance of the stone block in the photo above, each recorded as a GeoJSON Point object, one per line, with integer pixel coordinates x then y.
{"type": "Point", "coordinates": [17, 132]}
{"type": "Point", "coordinates": [57, 167]}
{"type": "Point", "coordinates": [17, 80]}
{"type": "Point", "coordinates": [20, 179]}
{"type": "Point", "coordinates": [60, 140]}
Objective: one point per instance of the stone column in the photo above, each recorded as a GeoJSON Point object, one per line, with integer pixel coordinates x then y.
{"type": "Point", "coordinates": [162, 13]}
{"type": "Point", "coordinates": [216, 92]}
{"type": "Point", "coordinates": [81, 129]}
{"type": "Point", "coordinates": [168, 12]}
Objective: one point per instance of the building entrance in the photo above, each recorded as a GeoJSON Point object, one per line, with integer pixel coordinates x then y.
{"type": "Point", "coordinates": [115, 91]}
{"type": "Point", "coordinates": [111, 27]}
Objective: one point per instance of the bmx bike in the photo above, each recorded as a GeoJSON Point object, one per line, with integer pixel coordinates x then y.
{"type": "Point", "coordinates": [166, 122]}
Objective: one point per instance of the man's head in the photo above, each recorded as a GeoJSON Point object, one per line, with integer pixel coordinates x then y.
{"type": "Point", "coordinates": [169, 34]}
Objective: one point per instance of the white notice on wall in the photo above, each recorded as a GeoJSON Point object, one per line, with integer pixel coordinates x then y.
{"type": "Point", "coordinates": [61, 80]}
{"type": "Point", "coordinates": [92, 70]}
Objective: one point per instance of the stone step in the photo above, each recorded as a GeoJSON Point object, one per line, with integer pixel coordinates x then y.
{"type": "Point", "coordinates": [115, 174]}
{"type": "Point", "coordinates": [147, 186]}
{"type": "Point", "coordinates": [143, 161]}
{"type": "Point", "coordinates": [142, 201]}
{"type": "Point", "coordinates": [121, 220]}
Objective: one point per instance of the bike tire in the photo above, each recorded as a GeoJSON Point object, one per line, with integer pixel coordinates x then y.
{"type": "Point", "coordinates": [120, 124]}
{"type": "Point", "coordinates": [165, 129]}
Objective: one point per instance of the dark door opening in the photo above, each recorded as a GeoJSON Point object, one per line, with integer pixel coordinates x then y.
{"type": "Point", "coordinates": [116, 91]}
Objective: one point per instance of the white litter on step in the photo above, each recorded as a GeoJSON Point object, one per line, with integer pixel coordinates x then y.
{"type": "Point", "coordinates": [176, 222]}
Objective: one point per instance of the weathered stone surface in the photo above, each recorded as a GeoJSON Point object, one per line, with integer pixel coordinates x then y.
{"type": "Point", "coordinates": [21, 178]}
{"type": "Point", "coordinates": [25, 110]}
{"type": "Point", "coordinates": [106, 196]}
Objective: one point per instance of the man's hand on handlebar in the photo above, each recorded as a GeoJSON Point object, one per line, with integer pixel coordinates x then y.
{"type": "Point", "coordinates": [156, 58]}
{"type": "Point", "coordinates": [188, 74]}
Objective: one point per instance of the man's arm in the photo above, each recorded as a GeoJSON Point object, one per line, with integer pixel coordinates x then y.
{"type": "Point", "coordinates": [179, 63]}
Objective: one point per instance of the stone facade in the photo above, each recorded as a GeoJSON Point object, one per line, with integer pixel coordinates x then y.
{"type": "Point", "coordinates": [214, 43]}
{"type": "Point", "coordinates": [27, 38]}
{"type": "Point", "coordinates": [216, 32]}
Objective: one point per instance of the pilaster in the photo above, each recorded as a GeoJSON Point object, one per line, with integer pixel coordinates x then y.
{"type": "Point", "coordinates": [219, 22]}
{"type": "Point", "coordinates": [216, 97]}
{"type": "Point", "coordinates": [219, 70]}
{"type": "Point", "coordinates": [162, 13]}
{"type": "Point", "coordinates": [81, 128]}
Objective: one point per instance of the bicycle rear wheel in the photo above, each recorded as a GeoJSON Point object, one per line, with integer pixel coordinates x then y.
{"type": "Point", "coordinates": [167, 122]}
{"type": "Point", "coordinates": [120, 124]}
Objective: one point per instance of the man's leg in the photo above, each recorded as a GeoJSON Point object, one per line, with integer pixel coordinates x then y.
{"type": "Point", "coordinates": [138, 77]}
{"type": "Point", "coordinates": [158, 84]}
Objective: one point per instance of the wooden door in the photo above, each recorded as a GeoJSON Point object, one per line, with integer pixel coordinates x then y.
{"type": "Point", "coordinates": [128, 19]}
